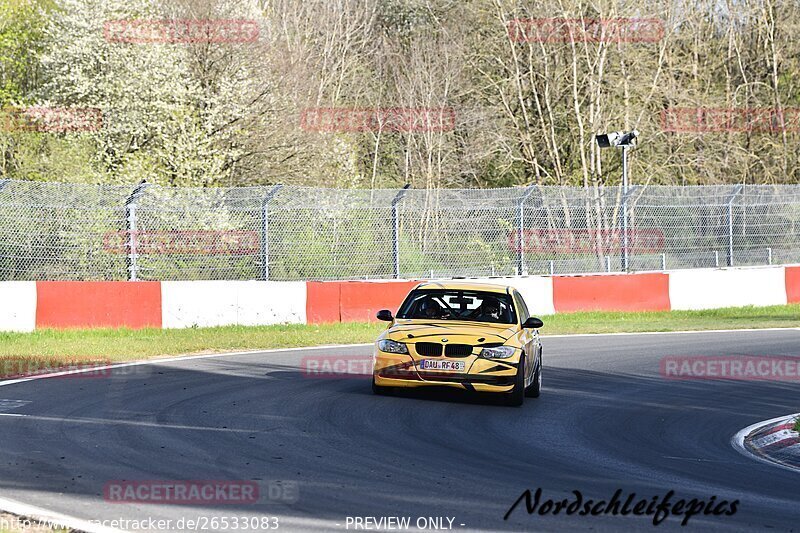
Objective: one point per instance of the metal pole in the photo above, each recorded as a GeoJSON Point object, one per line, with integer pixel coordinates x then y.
{"type": "Point", "coordinates": [132, 258]}
{"type": "Point", "coordinates": [3, 183]}
{"type": "Point", "coordinates": [396, 230]}
{"type": "Point", "coordinates": [521, 231]}
{"type": "Point", "coordinates": [625, 208]}
{"type": "Point", "coordinates": [730, 223]}
{"type": "Point", "coordinates": [265, 230]}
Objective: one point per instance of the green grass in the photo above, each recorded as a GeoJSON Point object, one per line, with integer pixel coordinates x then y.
{"type": "Point", "coordinates": [126, 344]}
{"type": "Point", "coordinates": [779, 316]}
{"type": "Point", "coordinates": [797, 425]}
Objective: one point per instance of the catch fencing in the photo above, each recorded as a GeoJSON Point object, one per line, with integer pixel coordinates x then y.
{"type": "Point", "coordinates": [64, 231]}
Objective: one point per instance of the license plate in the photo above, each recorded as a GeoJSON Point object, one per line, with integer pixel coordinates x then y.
{"type": "Point", "coordinates": [438, 364]}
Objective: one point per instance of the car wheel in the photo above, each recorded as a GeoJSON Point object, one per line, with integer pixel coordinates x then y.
{"type": "Point", "coordinates": [379, 389]}
{"type": "Point", "coordinates": [535, 388]}
{"type": "Point", "coordinates": [517, 394]}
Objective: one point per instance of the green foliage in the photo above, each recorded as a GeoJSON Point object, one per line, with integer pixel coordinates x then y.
{"type": "Point", "coordinates": [213, 114]}
{"type": "Point", "coordinates": [22, 24]}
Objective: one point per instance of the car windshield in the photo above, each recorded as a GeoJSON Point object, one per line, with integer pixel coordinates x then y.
{"type": "Point", "coordinates": [444, 304]}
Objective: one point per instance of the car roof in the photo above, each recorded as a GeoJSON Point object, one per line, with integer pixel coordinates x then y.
{"type": "Point", "coordinates": [464, 286]}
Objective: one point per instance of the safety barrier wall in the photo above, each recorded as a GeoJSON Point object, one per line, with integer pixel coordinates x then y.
{"type": "Point", "coordinates": [28, 305]}
{"type": "Point", "coordinates": [17, 305]}
{"type": "Point", "coordinates": [793, 284]}
{"type": "Point", "coordinates": [88, 304]}
{"type": "Point", "coordinates": [710, 289]}
{"type": "Point", "coordinates": [221, 303]}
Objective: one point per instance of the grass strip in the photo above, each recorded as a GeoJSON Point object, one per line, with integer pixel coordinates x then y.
{"type": "Point", "coordinates": [127, 344]}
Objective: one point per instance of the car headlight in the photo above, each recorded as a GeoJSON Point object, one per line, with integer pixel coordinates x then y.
{"type": "Point", "coordinates": [390, 346]}
{"type": "Point", "coordinates": [501, 352]}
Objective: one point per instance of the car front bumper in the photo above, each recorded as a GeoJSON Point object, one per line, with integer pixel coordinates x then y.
{"type": "Point", "coordinates": [481, 375]}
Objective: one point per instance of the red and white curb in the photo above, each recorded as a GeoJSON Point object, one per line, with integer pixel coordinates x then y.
{"type": "Point", "coordinates": [774, 441]}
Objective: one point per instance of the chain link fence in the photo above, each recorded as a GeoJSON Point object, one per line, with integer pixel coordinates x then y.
{"type": "Point", "coordinates": [56, 231]}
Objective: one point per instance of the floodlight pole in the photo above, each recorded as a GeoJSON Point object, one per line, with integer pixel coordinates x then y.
{"type": "Point", "coordinates": [625, 207]}
{"type": "Point", "coordinates": [624, 140]}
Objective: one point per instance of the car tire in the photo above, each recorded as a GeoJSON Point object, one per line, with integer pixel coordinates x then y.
{"type": "Point", "coordinates": [535, 388]}
{"type": "Point", "coordinates": [516, 397]}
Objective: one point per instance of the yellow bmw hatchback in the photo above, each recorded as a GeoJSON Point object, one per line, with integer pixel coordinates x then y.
{"type": "Point", "coordinates": [470, 336]}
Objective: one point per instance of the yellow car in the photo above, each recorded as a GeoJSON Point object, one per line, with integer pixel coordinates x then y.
{"type": "Point", "coordinates": [470, 336]}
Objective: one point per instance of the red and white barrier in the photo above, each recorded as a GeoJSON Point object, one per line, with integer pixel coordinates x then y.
{"type": "Point", "coordinates": [711, 289]}
{"type": "Point", "coordinates": [28, 305]}
{"type": "Point", "coordinates": [221, 303]}
{"type": "Point", "coordinates": [17, 305]}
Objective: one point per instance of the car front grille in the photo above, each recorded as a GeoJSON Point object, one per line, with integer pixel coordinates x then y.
{"type": "Point", "coordinates": [457, 350]}
{"type": "Point", "coordinates": [434, 349]}
{"type": "Point", "coordinates": [429, 349]}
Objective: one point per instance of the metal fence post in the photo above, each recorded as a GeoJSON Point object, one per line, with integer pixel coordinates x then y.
{"type": "Point", "coordinates": [730, 223]}
{"type": "Point", "coordinates": [265, 230]}
{"type": "Point", "coordinates": [396, 230]}
{"type": "Point", "coordinates": [521, 230]}
{"type": "Point", "coordinates": [132, 257]}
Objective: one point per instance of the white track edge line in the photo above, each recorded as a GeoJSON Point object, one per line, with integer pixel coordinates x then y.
{"type": "Point", "coordinates": [23, 509]}
{"type": "Point", "coordinates": [680, 332]}
{"type": "Point", "coordinates": [174, 359]}
{"type": "Point", "coordinates": [329, 346]}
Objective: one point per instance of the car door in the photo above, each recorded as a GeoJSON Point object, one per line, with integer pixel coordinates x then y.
{"type": "Point", "coordinates": [529, 336]}
{"type": "Point", "coordinates": [536, 341]}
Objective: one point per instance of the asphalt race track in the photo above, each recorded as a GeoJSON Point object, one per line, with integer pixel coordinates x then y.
{"type": "Point", "coordinates": [606, 420]}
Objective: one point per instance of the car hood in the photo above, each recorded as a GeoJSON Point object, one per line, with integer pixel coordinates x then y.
{"type": "Point", "coordinates": [474, 333]}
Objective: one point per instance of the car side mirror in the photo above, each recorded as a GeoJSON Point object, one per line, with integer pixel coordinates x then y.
{"type": "Point", "coordinates": [385, 315]}
{"type": "Point", "coordinates": [533, 323]}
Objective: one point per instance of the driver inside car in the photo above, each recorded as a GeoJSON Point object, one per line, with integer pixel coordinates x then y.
{"type": "Point", "coordinates": [431, 309]}
{"type": "Point", "coordinates": [489, 311]}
